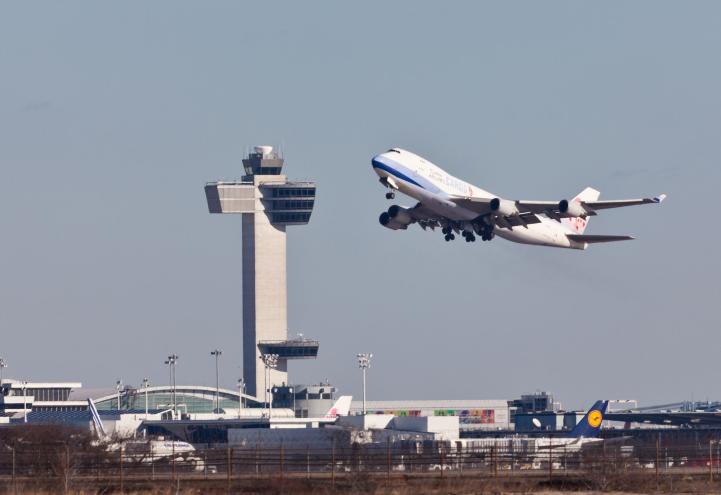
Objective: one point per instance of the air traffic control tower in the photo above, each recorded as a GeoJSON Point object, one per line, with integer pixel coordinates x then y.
{"type": "Point", "coordinates": [268, 203]}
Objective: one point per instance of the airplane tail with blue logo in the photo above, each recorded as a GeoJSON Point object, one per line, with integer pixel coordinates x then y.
{"type": "Point", "coordinates": [590, 425]}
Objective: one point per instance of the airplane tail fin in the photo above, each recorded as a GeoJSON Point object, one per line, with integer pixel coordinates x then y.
{"type": "Point", "coordinates": [577, 224]}
{"type": "Point", "coordinates": [97, 422]}
{"type": "Point", "coordinates": [590, 425]}
{"type": "Point", "coordinates": [340, 408]}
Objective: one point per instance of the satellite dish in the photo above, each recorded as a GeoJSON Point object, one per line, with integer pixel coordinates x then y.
{"type": "Point", "coordinates": [536, 422]}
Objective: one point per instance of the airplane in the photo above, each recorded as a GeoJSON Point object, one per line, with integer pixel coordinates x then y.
{"type": "Point", "coordinates": [143, 450]}
{"type": "Point", "coordinates": [341, 407]}
{"type": "Point", "coordinates": [585, 432]}
{"type": "Point", "coordinates": [581, 436]}
{"type": "Point", "coordinates": [459, 207]}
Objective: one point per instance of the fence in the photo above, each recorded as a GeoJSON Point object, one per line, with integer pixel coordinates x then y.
{"type": "Point", "coordinates": [64, 467]}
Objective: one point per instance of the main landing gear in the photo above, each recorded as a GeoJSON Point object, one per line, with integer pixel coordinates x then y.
{"type": "Point", "coordinates": [487, 233]}
{"type": "Point", "coordinates": [469, 236]}
{"type": "Point", "coordinates": [390, 195]}
{"type": "Point", "coordinates": [448, 233]}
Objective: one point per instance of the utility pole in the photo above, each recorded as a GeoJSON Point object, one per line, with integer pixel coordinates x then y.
{"type": "Point", "coordinates": [146, 384]}
{"type": "Point", "coordinates": [217, 353]}
{"type": "Point", "coordinates": [25, 402]}
{"type": "Point", "coordinates": [172, 359]}
{"type": "Point", "coordinates": [118, 388]}
{"type": "Point", "coordinates": [271, 362]}
{"type": "Point", "coordinates": [364, 362]}
{"type": "Point", "coordinates": [3, 365]}
{"type": "Point", "coordinates": [241, 391]}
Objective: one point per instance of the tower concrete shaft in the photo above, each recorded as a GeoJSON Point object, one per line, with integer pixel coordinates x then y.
{"type": "Point", "coordinates": [268, 203]}
{"type": "Point", "coordinates": [265, 298]}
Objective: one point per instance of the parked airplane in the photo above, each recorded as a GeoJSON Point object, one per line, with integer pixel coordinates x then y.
{"type": "Point", "coordinates": [143, 450]}
{"type": "Point", "coordinates": [584, 433]}
{"type": "Point", "coordinates": [538, 447]}
{"type": "Point", "coordinates": [458, 207]}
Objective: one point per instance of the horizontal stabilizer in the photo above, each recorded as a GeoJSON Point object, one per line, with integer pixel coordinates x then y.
{"type": "Point", "coordinates": [594, 239]}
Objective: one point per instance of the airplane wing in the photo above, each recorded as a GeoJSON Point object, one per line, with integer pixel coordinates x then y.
{"type": "Point", "coordinates": [552, 209]}
{"type": "Point", "coordinates": [480, 206]}
{"type": "Point", "coordinates": [618, 203]}
{"type": "Point", "coordinates": [595, 239]}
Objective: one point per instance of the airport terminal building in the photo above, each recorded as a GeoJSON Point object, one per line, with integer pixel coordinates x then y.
{"type": "Point", "coordinates": [472, 414]}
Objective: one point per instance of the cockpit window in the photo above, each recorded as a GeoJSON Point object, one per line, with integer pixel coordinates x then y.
{"type": "Point", "coordinates": [393, 150]}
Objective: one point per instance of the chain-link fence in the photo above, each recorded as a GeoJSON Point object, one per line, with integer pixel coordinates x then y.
{"type": "Point", "coordinates": [64, 467]}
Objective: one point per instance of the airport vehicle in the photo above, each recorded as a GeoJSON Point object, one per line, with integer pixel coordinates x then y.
{"type": "Point", "coordinates": [458, 207]}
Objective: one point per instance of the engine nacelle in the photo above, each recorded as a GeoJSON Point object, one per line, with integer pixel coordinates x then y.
{"type": "Point", "coordinates": [572, 209]}
{"type": "Point", "coordinates": [386, 221]}
{"type": "Point", "coordinates": [400, 215]}
{"type": "Point", "coordinates": [503, 207]}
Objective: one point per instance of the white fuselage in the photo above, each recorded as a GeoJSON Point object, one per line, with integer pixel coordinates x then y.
{"type": "Point", "coordinates": [435, 189]}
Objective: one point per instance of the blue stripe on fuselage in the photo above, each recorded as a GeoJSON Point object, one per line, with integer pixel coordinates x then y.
{"type": "Point", "coordinates": [394, 171]}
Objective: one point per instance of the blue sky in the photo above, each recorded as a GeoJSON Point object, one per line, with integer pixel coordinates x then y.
{"type": "Point", "coordinates": [113, 116]}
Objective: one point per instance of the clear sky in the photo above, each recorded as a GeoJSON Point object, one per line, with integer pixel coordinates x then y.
{"type": "Point", "coordinates": [113, 116]}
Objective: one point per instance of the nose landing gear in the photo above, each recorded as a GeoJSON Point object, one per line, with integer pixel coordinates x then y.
{"type": "Point", "coordinates": [390, 195]}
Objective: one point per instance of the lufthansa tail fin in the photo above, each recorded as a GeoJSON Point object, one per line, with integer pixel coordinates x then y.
{"type": "Point", "coordinates": [590, 425]}
{"type": "Point", "coordinates": [578, 224]}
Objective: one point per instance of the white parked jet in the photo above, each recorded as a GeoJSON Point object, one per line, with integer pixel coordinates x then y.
{"type": "Point", "coordinates": [458, 207]}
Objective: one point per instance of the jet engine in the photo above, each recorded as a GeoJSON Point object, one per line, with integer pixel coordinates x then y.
{"type": "Point", "coordinates": [571, 209]}
{"type": "Point", "coordinates": [400, 215]}
{"type": "Point", "coordinates": [503, 207]}
{"type": "Point", "coordinates": [386, 221]}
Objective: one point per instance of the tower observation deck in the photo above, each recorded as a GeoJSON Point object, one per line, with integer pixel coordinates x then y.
{"type": "Point", "coordinates": [268, 202]}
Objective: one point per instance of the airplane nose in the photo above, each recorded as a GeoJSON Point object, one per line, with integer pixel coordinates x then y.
{"type": "Point", "coordinates": [377, 161]}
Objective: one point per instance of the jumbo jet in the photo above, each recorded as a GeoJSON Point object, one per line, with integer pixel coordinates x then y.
{"type": "Point", "coordinates": [583, 435]}
{"type": "Point", "coordinates": [458, 207]}
{"type": "Point", "coordinates": [143, 450]}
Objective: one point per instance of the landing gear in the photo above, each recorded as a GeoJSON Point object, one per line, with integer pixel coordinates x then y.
{"type": "Point", "coordinates": [469, 236]}
{"type": "Point", "coordinates": [487, 233]}
{"type": "Point", "coordinates": [390, 195]}
{"type": "Point", "coordinates": [449, 237]}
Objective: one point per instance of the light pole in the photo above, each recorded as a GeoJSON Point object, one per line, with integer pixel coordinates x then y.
{"type": "Point", "coordinates": [3, 365]}
{"type": "Point", "coordinates": [146, 384]}
{"type": "Point", "coordinates": [271, 362]}
{"type": "Point", "coordinates": [25, 402]}
{"type": "Point", "coordinates": [217, 353]}
{"type": "Point", "coordinates": [364, 362]}
{"type": "Point", "coordinates": [118, 387]}
{"type": "Point", "coordinates": [292, 392]}
{"type": "Point", "coordinates": [172, 359]}
{"type": "Point", "coordinates": [241, 391]}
